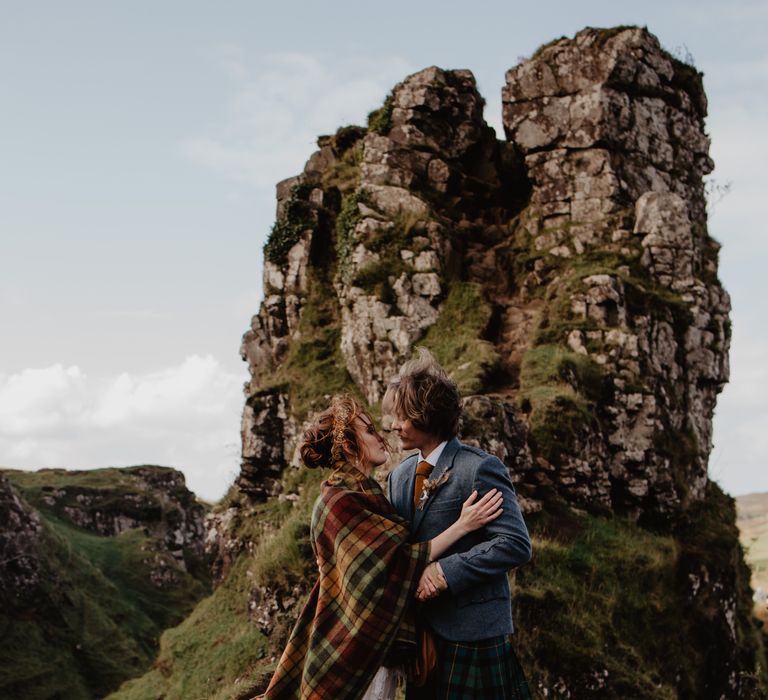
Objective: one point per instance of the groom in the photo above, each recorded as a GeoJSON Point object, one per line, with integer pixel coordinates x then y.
{"type": "Point", "coordinates": [466, 592]}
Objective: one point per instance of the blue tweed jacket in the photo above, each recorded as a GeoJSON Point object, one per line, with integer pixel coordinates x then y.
{"type": "Point", "coordinates": [477, 604]}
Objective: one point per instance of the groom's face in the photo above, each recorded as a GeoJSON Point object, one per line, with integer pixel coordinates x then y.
{"type": "Point", "coordinates": [411, 438]}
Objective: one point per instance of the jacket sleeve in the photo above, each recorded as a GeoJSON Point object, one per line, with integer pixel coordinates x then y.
{"type": "Point", "coordinates": [507, 544]}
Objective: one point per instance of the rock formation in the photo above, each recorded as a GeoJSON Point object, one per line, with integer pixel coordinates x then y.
{"type": "Point", "coordinates": [19, 547]}
{"type": "Point", "coordinates": [155, 499]}
{"type": "Point", "coordinates": [565, 277]}
{"type": "Point", "coordinates": [612, 132]}
{"type": "Point", "coordinates": [578, 249]}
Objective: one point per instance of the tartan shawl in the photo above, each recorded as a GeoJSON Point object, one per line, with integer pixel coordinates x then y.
{"type": "Point", "coordinates": [368, 576]}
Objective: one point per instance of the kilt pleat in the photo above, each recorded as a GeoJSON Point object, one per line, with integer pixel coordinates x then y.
{"type": "Point", "coordinates": [487, 669]}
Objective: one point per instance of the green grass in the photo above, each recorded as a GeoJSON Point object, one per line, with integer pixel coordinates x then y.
{"type": "Point", "coordinates": [121, 560]}
{"type": "Point", "coordinates": [545, 364]}
{"type": "Point", "coordinates": [283, 555]}
{"type": "Point", "coordinates": [606, 605]}
{"type": "Point", "coordinates": [346, 221]}
{"type": "Point", "coordinates": [380, 120]}
{"type": "Point", "coordinates": [96, 618]}
{"type": "Point", "coordinates": [344, 173]}
{"type": "Point", "coordinates": [345, 138]}
{"type": "Point", "coordinates": [375, 278]}
{"type": "Point", "coordinates": [590, 600]}
{"type": "Point", "coordinates": [109, 489]}
{"type": "Point", "coordinates": [218, 652]}
{"type": "Point", "coordinates": [456, 337]}
{"type": "Point", "coordinates": [109, 477]}
{"type": "Point", "coordinates": [288, 229]}
{"type": "Point", "coordinates": [314, 367]}
{"type": "Point", "coordinates": [110, 492]}
{"type": "Point", "coordinates": [211, 653]}
{"type": "Point", "coordinates": [559, 389]}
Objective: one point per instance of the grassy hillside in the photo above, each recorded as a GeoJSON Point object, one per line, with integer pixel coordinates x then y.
{"type": "Point", "coordinates": [605, 608]}
{"type": "Point", "coordinates": [612, 609]}
{"type": "Point", "coordinates": [221, 650]}
{"type": "Point", "coordinates": [752, 521]}
{"type": "Point", "coordinates": [97, 615]}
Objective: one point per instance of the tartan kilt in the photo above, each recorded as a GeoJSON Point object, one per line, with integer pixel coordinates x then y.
{"type": "Point", "coordinates": [487, 669]}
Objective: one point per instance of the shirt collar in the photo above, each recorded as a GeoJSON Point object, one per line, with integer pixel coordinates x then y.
{"type": "Point", "coordinates": [433, 456]}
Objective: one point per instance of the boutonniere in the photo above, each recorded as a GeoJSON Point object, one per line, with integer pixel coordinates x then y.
{"type": "Point", "coordinates": [431, 486]}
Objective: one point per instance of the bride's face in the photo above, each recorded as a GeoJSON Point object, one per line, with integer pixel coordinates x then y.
{"type": "Point", "coordinates": [374, 447]}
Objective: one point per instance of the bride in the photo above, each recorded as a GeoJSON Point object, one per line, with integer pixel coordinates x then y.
{"type": "Point", "coordinates": [357, 627]}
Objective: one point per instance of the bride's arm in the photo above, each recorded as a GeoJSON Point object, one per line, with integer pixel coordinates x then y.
{"type": "Point", "coordinates": [473, 516]}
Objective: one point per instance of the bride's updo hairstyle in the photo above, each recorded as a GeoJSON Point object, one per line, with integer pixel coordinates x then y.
{"type": "Point", "coordinates": [331, 437]}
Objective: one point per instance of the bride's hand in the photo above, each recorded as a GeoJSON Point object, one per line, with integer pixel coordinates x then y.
{"type": "Point", "coordinates": [475, 515]}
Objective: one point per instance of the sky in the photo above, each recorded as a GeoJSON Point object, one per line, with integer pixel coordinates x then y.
{"type": "Point", "coordinates": [141, 143]}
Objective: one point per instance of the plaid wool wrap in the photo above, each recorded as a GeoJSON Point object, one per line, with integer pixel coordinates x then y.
{"type": "Point", "coordinates": [369, 572]}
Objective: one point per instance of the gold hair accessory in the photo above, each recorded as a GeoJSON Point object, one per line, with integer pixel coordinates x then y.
{"type": "Point", "coordinates": [341, 417]}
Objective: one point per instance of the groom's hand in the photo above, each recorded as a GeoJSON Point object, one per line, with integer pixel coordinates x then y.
{"type": "Point", "coordinates": [432, 582]}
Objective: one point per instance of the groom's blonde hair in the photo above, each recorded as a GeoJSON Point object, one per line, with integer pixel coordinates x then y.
{"type": "Point", "coordinates": [423, 392]}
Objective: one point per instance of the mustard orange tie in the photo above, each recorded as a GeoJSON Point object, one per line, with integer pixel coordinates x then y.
{"type": "Point", "coordinates": [423, 470]}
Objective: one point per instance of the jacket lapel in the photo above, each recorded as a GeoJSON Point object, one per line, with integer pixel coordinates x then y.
{"type": "Point", "coordinates": [443, 465]}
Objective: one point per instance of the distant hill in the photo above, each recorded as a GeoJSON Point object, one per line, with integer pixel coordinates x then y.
{"type": "Point", "coordinates": [94, 565]}
{"type": "Point", "coordinates": [752, 521]}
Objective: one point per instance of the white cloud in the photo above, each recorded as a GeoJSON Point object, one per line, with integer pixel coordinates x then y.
{"type": "Point", "coordinates": [279, 105]}
{"type": "Point", "coordinates": [39, 399]}
{"type": "Point", "coordinates": [173, 394]}
{"type": "Point", "coordinates": [186, 416]}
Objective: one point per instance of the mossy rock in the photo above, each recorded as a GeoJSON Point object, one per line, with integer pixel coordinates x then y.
{"type": "Point", "coordinates": [561, 391]}
{"type": "Point", "coordinates": [219, 651]}
{"type": "Point", "coordinates": [314, 367]}
{"type": "Point", "coordinates": [287, 231]}
{"type": "Point", "coordinates": [380, 120]}
{"type": "Point", "coordinates": [346, 221]}
{"type": "Point", "coordinates": [456, 337]}
{"type": "Point", "coordinates": [605, 607]}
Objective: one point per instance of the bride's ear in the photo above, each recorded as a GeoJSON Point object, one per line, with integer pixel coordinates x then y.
{"type": "Point", "coordinates": [351, 453]}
